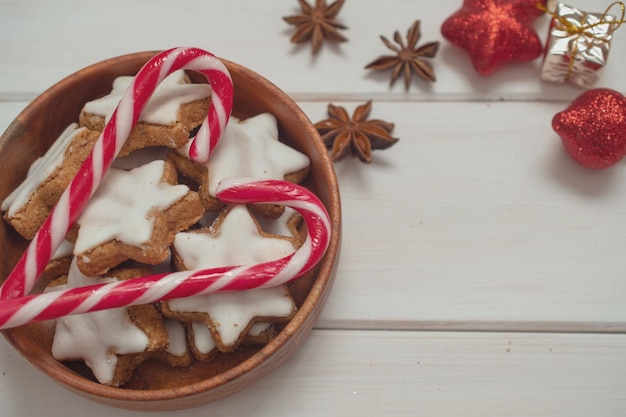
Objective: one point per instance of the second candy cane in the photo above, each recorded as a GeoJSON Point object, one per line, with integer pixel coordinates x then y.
{"type": "Point", "coordinates": [18, 311]}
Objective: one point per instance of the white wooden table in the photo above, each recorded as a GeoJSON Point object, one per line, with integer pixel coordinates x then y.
{"type": "Point", "coordinates": [483, 271]}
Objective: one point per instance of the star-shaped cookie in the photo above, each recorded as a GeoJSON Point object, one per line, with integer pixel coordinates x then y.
{"type": "Point", "coordinates": [248, 148]}
{"type": "Point", "coordinates": [112, 342]}
{"type": "Point", "coordinates": [202, 344]}
{"type": "Point", "coordinates": [27, 207]}
{"type": "Point", "coordinates": [134, 215]}
{"type": "Point", "coordinates": [174, 110]}
{"type": "Point", "coordinates": [177, 352]}
{"type": "Point", "coordinates": [286, 225]}
{"type": "Point", "coordinates": [495, 32]}
{"type": "Point", "coordinates": [234, 239]}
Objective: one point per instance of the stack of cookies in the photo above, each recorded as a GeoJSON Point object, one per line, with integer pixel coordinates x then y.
{"type": "Point", "coordinates": [156, 211]}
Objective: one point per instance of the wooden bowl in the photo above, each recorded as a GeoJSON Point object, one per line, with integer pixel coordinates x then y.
{"type": "Point", "coordinates": [156, 386]}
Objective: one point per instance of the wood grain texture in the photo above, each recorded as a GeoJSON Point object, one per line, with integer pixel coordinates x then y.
{"type": "Point", "coordinates": [477, 214]}
{"type": "Point", "coordinates": [475, 227]}
{"type": "Point", "coordinates": [374, 373]}
{"type": "Point", "coordinates": [515, 237]}
{"type": "Point", "coordinates": [39, 50]}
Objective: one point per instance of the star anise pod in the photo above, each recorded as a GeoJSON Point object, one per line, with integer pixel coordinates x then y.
{"type": "Point", "coordinates": [408, 58]}
{"type": "Point", "coordinates": [357, 135]}
{"type": "Point", "coordinates": [317, 23]}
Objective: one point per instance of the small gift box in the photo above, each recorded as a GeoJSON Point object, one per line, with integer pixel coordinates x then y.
{"type": "Point", "coordinates": [578, 45]}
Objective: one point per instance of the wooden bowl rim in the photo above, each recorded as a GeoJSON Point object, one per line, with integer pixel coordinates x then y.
{"type": "Point", "coordinates": [306, 314]}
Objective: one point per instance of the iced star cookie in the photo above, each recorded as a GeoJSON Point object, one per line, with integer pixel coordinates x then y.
{"type": "Point", "coordinates": [260, 333]}
{"type": "Point", "coordinates": [201, 341]}
{"type": "Point", "coordinates": [234, 239]}
{"type": "Point", "coordinates": [286, 225]}
{"type": "Point", "coordinates": [248, 148]}
{"type": "Point", "coordinates": [134, 215]}
{"type": "Point", "coordinates": [177, 352]}
{"type": "Point", "coordinates": [113, 342]}
{"type": "Point", "coordinates": [203, 345]}
{"type": "Point", "coordinates": [230, 316]}
{"type": "Point", "coordinates": [28, 206]}
{"type": "Point", "coordinates": [194, 340]}
{"type": "Point", "coordinates": [175, 109]}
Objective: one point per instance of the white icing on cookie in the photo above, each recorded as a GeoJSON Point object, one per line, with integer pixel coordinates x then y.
{"type": "Point", "coordinates": [279, 226]}
{"type": "Point", "coordinates": [237, 242]}
{"type": "Point", "coordinates": [202, 338]}
{"type": "Point", "coordinates": [177, 345]}
{"type": "Point", "coordinates": [121, 205]}
{"type": "Point", "coordinates": [40, 170]}
{"type": "Point", "coordinates": [250, 148]}
{"type": "Point", "coordinates": [259, 328]}
{"type": "Point", "coordinates": [163, 107]}
{"type": "Point", "coordinates": [66, 248]}
{"type": "Point", "coordinates": [96, 337]}
{"type": "Point", "coordinates": [231, 312]}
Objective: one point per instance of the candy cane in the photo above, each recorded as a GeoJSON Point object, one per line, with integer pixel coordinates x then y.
{"type": "Point", "coordinates": [114, 135]}
{"type": "Point", "coordinates": [19, 311]}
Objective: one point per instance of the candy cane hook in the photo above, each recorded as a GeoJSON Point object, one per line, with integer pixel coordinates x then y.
{"type": "Point", "coordinates": [115, 133]}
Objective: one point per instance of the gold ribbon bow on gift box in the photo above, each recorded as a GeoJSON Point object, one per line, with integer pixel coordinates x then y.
{"type": "Point", "coordinates": [569, 26]}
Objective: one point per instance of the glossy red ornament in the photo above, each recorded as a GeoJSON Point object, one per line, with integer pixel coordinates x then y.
{"type": "Point", "coordinates": [593, 128]}
{"type": "Point", "coordinates": [495, 32]}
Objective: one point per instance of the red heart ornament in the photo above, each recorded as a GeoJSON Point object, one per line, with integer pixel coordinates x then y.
{"type": "Point", "coordinates": [593, 128]}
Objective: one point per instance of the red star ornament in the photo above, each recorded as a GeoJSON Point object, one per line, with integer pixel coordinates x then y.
{"type": "Point", "coordinates": [495, 32]}
{"type": "Point", "coordinates": [593, 128]}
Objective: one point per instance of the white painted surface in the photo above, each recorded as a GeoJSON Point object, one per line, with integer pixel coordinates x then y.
{"type": "Point", "coordinates": [44, 41]}
{"type": "Point", "coordinates": [374, 373]}
{"type": "Point", "coordinates": [475, 224]}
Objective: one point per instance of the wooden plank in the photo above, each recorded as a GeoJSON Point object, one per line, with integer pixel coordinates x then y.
{"type": "Point", "coordinates": [476, 222]}
{"type": "Point", "coordinates": [477, 215]}
{"type": "Point", "coordinates": [371, 373]}
{"type": "Point", "coordinates": [38, 50]}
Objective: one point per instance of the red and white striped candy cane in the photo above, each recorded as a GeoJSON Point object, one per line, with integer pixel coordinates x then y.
{"type": "Point", "coordinates": [18, 311]}
{"type": "Point", "coordinates": [115, 133]}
